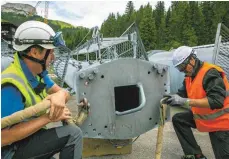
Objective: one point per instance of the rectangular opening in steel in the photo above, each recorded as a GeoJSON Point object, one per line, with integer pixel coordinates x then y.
{"type": "Point", "coordinates": [126, 97]}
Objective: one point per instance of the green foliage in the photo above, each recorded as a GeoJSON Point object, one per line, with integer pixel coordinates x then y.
{"type": "Point", "coordinates": [72, 35]}
{"type": "Point", "coordinates": [184, 23]}
{"type": "Point", "coordinates": [148, 28]}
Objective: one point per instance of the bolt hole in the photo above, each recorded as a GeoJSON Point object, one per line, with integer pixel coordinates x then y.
{"type": "Point", "coordinates": [90, 124]}
{"type": "Point", "coordinates": [85, 133]}
{"type": "Point", "coordinates": [150, 118]}
{"type": "Point", "coordinates": [156, 123]}
{"type": "Point", "coordinates": [94, 129]}
{"type": "Point", "coordinates": [102, 76]}
{"type": "Point", "coordinates": [99, 134]}
{"type": "Point", "coordinates": [84, 93]}
{"type": "Point", "coordinates": [148, 72]}
{"type": "Point", "coordinates": [105, 126]}
{"type": "Point", "coordinates": [164, 84]}
{"type": "Point", "coordinates": [161, 75]}
{"type": "Point", "coordinates": [166, 90]}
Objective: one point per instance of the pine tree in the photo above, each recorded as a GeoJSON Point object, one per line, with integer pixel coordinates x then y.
{"type": "Point", "coordinates": [209, 29]}
{"type": "Point", "coordinates": [129, 8]}
{"type": "Point", "coordinates": [139, 15]}
{"type": "Point", "coordinates": [148, 28]}
{"type": "Point", "coordinates": [197, 21]}
{"type": "Point", "coordinates": [159, 15]}
{"type": "Point", "coordinates": [180, 28]}
{"type": "Point", "coordinates": [109, 26]}
{"type": "Point", "coordinates": [130, 14]}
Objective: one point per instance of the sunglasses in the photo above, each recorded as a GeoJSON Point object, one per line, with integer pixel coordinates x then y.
{"type": "Point", "coordinates": [183, 65]}
{"type": "Point", "coordinates": [56, 40]}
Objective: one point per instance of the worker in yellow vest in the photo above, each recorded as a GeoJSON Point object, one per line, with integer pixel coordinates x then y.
{"type": "Point", "coordinates": [25, 83]}
{"type": "Point", "coordinates": [206, 92]}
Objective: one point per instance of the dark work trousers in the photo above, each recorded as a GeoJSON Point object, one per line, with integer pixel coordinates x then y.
{"type": "Point", "coordinates": [183, 122]}
{"type": "Point", "coordinates": [44, 144]}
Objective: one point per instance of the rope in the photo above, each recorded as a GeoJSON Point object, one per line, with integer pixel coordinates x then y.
{"type": "Point", "coordinates": [160, 129]}
{"type": "Point", "coordinates": [19, 116]}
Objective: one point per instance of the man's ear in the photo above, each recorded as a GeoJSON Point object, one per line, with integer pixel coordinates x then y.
{"type": "Point", "coordinates": [192, 60]}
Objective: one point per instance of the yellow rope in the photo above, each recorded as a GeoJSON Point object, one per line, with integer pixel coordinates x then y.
{"type": "Point", "coordinates": [19, 116]}
{"type": "Point", "coordinates": [160, 129]}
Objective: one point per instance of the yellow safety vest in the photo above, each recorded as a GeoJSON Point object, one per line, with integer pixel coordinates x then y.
{"type": "Point", "coordinates": [15, 75]}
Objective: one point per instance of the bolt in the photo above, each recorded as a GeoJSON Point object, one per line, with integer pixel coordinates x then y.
{"type": "Point", "coordinates": [91, 76]}
{"type": "Point", "coordinates": [95, 71]}
{"type": "Point", "coordinates": [82, 75]}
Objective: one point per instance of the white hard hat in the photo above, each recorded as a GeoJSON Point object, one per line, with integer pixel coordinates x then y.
{"type": "Point", "coordinates": [181, 54]}
{"type": "Point", "coordinates": [33, 30]}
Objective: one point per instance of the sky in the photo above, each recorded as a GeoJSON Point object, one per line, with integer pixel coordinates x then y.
{"type": "Point", "coordinates": [84, 13]}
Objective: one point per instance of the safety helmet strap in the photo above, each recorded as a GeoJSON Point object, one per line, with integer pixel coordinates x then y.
{"type": "Point", "coordinates": [42, 62]}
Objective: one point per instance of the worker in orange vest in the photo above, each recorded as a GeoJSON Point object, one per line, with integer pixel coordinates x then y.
{"type": "Point", "coordinates": [206, 92]}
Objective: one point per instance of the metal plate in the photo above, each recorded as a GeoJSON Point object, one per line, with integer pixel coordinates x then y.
{"type": "Point", "coordinates": [103, 121]}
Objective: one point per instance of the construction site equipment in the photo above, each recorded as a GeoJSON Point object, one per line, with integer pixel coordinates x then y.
{"type": "Point", "coordinates": [7, 54]}
{"type": "Point", "coordinates": [129, 44]}
{"type": "Point", "coordinates": [221, 48]}
{"type": "Point", "coordinates": [120, 86]}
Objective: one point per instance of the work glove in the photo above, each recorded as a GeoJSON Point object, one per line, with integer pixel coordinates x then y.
{"type": "Point", "coordinates": [176, 100]}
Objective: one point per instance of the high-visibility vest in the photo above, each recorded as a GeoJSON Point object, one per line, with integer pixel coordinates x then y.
{"type": "Point", "coordinates": [15, 75]}
{"type": "Point", "coordinates": [206, 119]}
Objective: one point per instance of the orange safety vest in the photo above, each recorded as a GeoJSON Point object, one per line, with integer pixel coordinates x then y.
{"type": "Point", "coordinates": [208, 120]}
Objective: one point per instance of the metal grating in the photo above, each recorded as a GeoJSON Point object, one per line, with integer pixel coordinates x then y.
{"type": "Point", "coordinates": [133, 47]}
{"type": "Point", "coordinates": [221, 49]}
{"type": "Point", "coordinates": [129, 44]}
{"type": "Point", "coordinates": [5, 49]}
{"type": "Point", "coordinates": [61, 62]}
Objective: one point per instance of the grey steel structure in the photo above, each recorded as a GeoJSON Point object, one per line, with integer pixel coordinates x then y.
{"type": "Point", "coordinates": [6, 54]}
{"type": "Point", "coordinates": [221, 49]}
{"type": "Point", "coordinates": [124, 89]}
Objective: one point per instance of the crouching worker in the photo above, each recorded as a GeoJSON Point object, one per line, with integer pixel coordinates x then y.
{"type": "Point", "coordinates": [206, 92]}
{"type": "Point", "coordinates": [25, 83]}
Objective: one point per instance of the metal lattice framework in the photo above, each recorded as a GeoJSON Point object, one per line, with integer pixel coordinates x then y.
{"type": "Point", "coordinates": [128, 49]}
{"type": "Point", "coordinates": [5, 49]}
{"type": "Point", "coordinates": [7, 54]}
{"type": "Point", "coordinates": [129, 44]}
{"type": "Point", "coordinates": [61, 62]}
{"type": "Point", "coordinates": [221, 49]}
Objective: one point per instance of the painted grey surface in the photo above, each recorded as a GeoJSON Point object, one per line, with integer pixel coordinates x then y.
{"type": "Point", "coordinates": [97, 82]}
{"type": "Point", "coordinates": [204, 53]}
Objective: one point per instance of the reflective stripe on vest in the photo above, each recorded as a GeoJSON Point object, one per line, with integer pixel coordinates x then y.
{"type": "Point", "coordinates": [20, 80]}
{"type": "Point", "coordinates": [211, 116]}
{"type": "Point", "coordinates": [214, 115]}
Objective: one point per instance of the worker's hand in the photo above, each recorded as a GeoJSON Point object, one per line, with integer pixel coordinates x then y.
{"type": "Point", "coordinates": [57, 104]}
{"type": "Point", "coordinates": [176, 100]}
{"type": "Point", "coordinates": [64, 115]}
